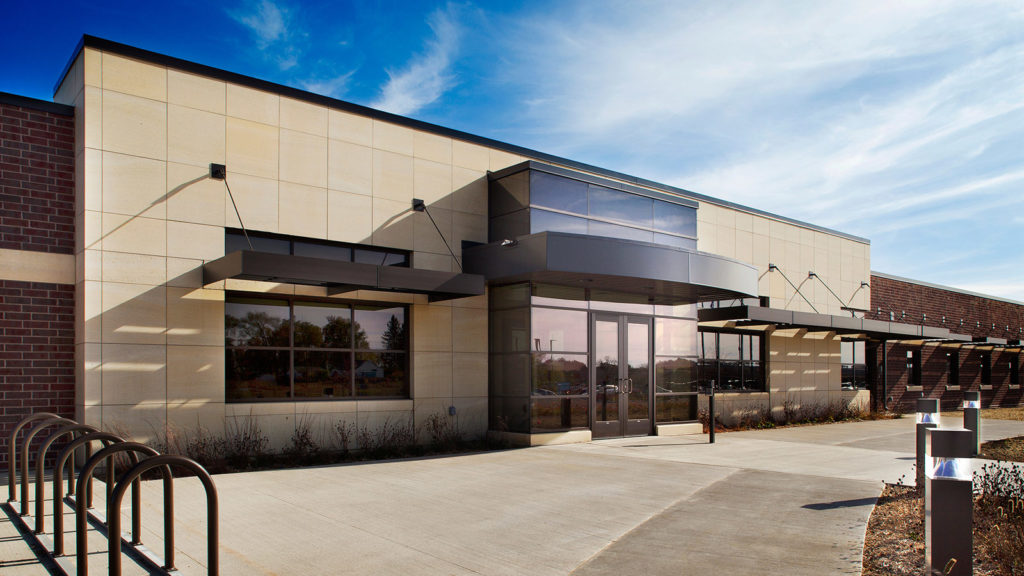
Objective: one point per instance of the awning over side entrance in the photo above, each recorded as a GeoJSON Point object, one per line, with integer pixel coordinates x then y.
{"type": "Point", "coordinates": [338, 276]}
{"type": "Point", "coordinates": [664, 274]}
{"type": "Point", "coordinates": [740, 316]}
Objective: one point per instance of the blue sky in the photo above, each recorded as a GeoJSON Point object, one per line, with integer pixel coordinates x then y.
{"type": "Point", "coordinates": [902, 122]}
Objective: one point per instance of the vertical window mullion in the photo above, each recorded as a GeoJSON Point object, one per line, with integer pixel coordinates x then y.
{"type": "Point", "coordinates": [291, 346]}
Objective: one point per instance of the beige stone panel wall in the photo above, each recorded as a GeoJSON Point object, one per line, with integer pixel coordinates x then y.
{"type": "Point", "coordinates": [759, 240]}
{"type": "Point", "coordinates": [804, 372]}
{"type": "Point", "coordinates": [197, 92]}
{"type": "Point", "coordinates": [31, 266]}
{"type": "Point", "coordinates": [732, 407]}
{"type": "Point", "coordinates": [148, 217]}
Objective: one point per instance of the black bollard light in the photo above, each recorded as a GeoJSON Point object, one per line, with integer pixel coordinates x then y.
{"type": "Point", "coordinates": [972, 418]}
{"type": "Point", "coordinates": [949, 503]}
{"type": "Point", "coordinates": [927, 418]}
{"type": "Point", "coordinates": [711, 414]}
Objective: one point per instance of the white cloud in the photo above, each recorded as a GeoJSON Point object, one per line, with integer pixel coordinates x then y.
{"type": "Point", "coordinates": [274, 30]}
{"type": "Point", "coordinates": [898, 121]}
{"type": "Point", "coordinates": [267, 21]}
{"type": "Point", "coordinates": [425, 78]}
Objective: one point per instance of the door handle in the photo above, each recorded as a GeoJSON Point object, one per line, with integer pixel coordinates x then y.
{"type": "Point", "coordinates": [627, 387]}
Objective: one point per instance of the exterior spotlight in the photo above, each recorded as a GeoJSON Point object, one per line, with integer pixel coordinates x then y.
{"type": "Point", "coordinates": [508, 242]}
{"type": "Point", "coordinates": [218, 171]}
{"type": "Point", "coordinates": [418, 205]}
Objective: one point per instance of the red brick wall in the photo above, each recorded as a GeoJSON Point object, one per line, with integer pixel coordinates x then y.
{"type": "Point", "coordinates": [37, 192]}
{"type": "Point", "coordinates": [910, 303]}
{"type": "Point", "coordinates": [37, 353]}
{"type": "Point", "coordinates": [916, 304]}
{"type": "Point", "coordinates": [37, 210]}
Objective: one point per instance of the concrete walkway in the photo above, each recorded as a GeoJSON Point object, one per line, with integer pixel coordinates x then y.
{"type": "Point", "coordinates": [789, 501]}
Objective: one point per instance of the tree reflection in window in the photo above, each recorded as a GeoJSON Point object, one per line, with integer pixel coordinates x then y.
{"type": "Point", "coordinates": [278, 348]}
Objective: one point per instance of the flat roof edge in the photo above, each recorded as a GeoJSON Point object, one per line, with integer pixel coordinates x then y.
{"type": "Point", "coordinates": [189, 66]}
{"type": "Point", "coordinates": [946, 288]}
{"type": "Point", "coordinates": [36, 104]}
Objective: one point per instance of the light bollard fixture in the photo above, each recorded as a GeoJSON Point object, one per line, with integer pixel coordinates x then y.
{"type": "Point", "coordinates": [972, 418]}
{"type": "Point", "coordinates": [927, 418]}
{"type": "Point", "coordinates": [949, 503]}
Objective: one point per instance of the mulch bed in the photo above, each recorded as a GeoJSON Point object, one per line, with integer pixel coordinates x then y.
{"type": "Point", "coordinates": [894, 541]}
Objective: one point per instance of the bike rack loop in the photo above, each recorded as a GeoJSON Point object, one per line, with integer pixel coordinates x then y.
{"type": "Point", "coordinates": [81, 533]}
{"type": "Point", "coordinates": [212, 516]}
{"type": "Point", "coordinates": [24, 456]}
{"type": "Point", "coordinates": [12, 483]}
{"type": "Point", "coordinates": [40, 491]}
{"type": "Point", "coordinates": [58, 512]}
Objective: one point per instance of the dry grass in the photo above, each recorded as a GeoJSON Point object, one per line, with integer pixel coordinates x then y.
{"type": "Point", "coordinates": [894, 542]}
{"type": "Point", "coordinates": [1014, 413]}
{"type": "Point", "coordinates": [1009, 449]}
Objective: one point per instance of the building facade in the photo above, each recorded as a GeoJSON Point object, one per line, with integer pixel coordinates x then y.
{"type": "Point", "coordinates": [225, 250]}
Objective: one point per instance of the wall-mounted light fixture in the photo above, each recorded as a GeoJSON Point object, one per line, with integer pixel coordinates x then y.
{"type": "Point", "coordinates": [419, 205]}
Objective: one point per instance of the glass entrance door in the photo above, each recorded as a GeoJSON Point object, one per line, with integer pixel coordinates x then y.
{"type": "Point", "coordinates": [621, 375]}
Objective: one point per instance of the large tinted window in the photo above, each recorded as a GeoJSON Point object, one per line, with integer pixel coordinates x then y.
{"type": "Point", "coordinates": [543, 221]}
{"type": "Point", "coordinates": [342, 252]}
{"type": "Point", "coordinates": [562, 204]}
{"type": "Point", "coordinates": [556, 192]}
{"type": "Point", "coordinates": [620, 206]}
{"type": "Point", "coordinates": [675, 219]}
{"type": "Point", "coordinates": [279, 348]}
{"type": "Point", "coordinates": [731, 360]}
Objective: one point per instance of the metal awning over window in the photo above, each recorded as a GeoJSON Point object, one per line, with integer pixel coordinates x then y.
{"type": "Point", "coordinates": [339, 276]}
{"type": "Point", "coordinates": [757, 316]}
{"type": "Point", "coordinates": [663, 274]}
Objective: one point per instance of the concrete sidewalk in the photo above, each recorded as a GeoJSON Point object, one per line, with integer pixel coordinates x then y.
{"type": "Point", "coordinates": [789, 501]}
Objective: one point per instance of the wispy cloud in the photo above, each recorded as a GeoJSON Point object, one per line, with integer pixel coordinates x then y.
{"type": "Point", "coordinates": [427, 76]}
{"type": "Point", "coordinates": [266, 20]}
{"type": "Point", "coordinates": [335, 87]}
{"type": "Point", "coordinates": [272, 27]}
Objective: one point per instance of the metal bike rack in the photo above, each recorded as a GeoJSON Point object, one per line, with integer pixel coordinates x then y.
{"type": "Point", "coordinates": [212, 514]}
{"type": "Point", "coordinates": [24, 456]}
{"type": "Point", "coordinates": [40, 481]}
{"type": "Point", "coordinates": [114, 536]}
{"type": "Point", "coordinates": [81, 437]}
{"type": "Point", "coordinates": [12, 483]}
{"type": "Point", "coordinates": [62, 458]}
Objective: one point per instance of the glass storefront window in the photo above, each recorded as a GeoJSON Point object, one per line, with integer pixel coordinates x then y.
{"type": "Point", "coordinates": [563, 330]}
{"type": "Point", "coordinates": [321, 325]}
{"type": "Point", "coordinates": [676, 337]}
{"type": "Point", "coordinates": [381, 328]}
{"type": "Point", "coordinates": [564, 296]}
{"type": "Point", "coordinates": [257, 374]}
{"type": "Point", "coordinates": [853, 366]}
{"type": "Point", "coordinates": [731, 360]}
{"type": "Point", "coordinates": [552, 413]}
{"type": "Point", "coordinates": [281, 348]}
{"type": "Point", "coordinates": [560, 375]}
{"type": "Point", "coordinates": [256, 322]}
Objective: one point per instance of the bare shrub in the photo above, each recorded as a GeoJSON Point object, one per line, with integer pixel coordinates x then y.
{"type": "Point", "coordinates": [389, 440]}
{"type": "Point", "coordinates": [444, 432]}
